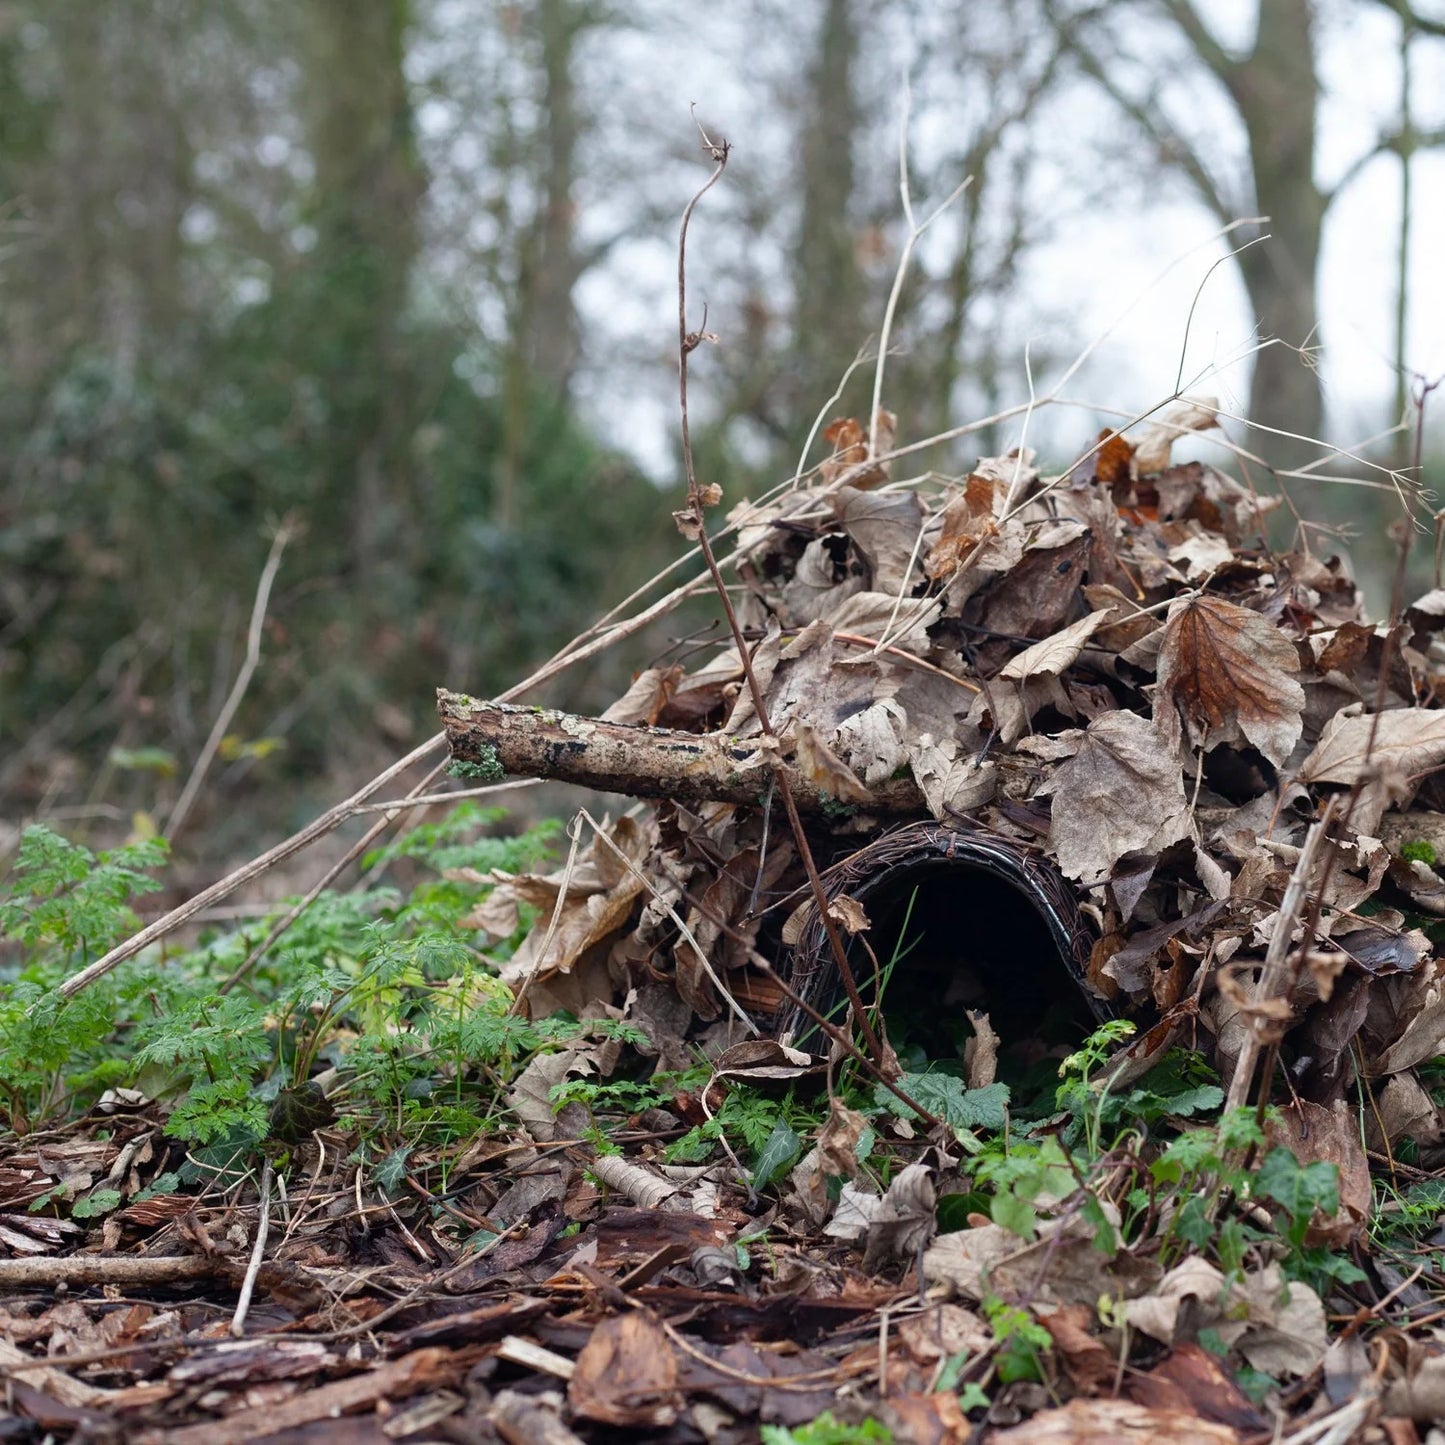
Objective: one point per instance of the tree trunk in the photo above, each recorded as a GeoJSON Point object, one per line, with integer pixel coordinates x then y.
{"type": "Point", "coordinates": [830, 287]}
{"type": "Point", "coordinates": [1277, 92]}
{"type": "Point", "coordinates": [544, 342]}
{"type": "Point", "coordinates": [369, 182]}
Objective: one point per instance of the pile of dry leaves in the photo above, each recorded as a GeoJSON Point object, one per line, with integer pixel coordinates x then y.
{"type": "Point", "coordinates": [1111, 670]}
{"type": "Point", "coordinates": [1210, 775]}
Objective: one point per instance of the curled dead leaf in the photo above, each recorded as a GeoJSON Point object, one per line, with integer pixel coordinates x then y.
{"type": "Point", "coordinates": [848, 914]}
{"type": "Point", "coordinates": [822, 767]}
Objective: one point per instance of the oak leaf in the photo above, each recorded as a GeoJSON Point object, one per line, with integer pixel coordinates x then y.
{"type": "Point", "coordinates": [1227, 672]}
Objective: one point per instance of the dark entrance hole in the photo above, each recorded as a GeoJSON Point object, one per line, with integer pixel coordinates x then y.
{"type": "Point", "coordinates": [959, 921]}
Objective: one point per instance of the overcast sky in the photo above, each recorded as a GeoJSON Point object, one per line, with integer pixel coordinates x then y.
{"type": "Point", "coordinates": [1102, 259]}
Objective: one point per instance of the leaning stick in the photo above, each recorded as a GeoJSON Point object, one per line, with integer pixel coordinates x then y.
{"type": "Point", "coordinates": [642, 762]}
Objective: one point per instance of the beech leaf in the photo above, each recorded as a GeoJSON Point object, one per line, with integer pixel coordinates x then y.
{"type": "Point", "coordinates": [1057, 653]}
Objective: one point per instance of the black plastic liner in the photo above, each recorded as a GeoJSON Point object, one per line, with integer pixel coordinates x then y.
{"type": "Point", "coordinates": [967, 920]}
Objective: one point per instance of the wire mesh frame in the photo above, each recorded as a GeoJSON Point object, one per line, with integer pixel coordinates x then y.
{"type": "Point", "coordinates": [810, 968]}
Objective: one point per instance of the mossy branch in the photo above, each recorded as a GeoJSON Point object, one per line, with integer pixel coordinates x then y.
{"type": "Point", "coordinates": [642, 762]}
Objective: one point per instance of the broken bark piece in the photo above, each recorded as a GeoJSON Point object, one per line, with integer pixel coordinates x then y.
{"type": "Point", "coordinates": [490, 740]}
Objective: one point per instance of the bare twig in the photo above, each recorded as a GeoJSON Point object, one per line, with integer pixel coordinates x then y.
{"type": "Point", "coordinates": [1198, 292]}
{"type": "Point", "coordinates": [178, 916]}
{"type": "Point", "coordinates": [356, 850]}
{"type": "Point", "coordinates": [833, 1032]}
{"type": "Point", "coordinates": [258, 1252]}
{"type": "Point", "coordinates": [915, 232]}
{"type": "Point", "coordinates": [83, 1270]}
{"type": "Point", "coordinates": [631, 758]}
{"type": "Point", "coordinates": [219, 728]}
{"type": "Point", "coordinates": [1271, 976]}
{"type": "Point", "coordinates": [687, 342]}
{"type": "Point", "coordinates": [568, 869]}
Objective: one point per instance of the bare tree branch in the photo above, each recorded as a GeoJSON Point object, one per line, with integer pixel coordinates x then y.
{"type": "Point", "coordinates": [1146, 113]}
{"type": "Point", "coordinates": [1397, 142]}
{"type": "Point", "coordinates": [1425, 24]}
{"type": "Point", "coordinates": [1224, 66]}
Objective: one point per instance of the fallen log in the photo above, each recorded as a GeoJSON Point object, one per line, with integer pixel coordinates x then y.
{"type": "Point", "coordinates": [491, 740]}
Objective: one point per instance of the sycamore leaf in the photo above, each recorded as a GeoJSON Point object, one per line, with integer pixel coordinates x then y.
{"type": "Point", "coordinates": [1226, 671]}
{"type": "Point", "coordinates": [1122, 792]}
{"type": "Point", "coordinates": [1406, 741]}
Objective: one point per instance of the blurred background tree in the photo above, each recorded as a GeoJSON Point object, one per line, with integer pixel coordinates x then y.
{"type": "Point", "coordinates": [218, 310]}
{"type": "Point", "coordinates": [404, 271]}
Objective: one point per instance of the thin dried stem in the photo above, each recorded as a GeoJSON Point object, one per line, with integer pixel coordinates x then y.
{"type": "Point", "coordinates": [219, 728]}
{"type": "Point", "coordinates": [258, 1253]}
{"type": "Point", "coordinates": [695, 519]}
{"type": "Point", "coordinates": [915, 233]}
{"type": "Point", "coordinates": [357, 849]}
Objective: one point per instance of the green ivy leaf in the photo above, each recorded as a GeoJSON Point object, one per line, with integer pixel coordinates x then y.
{"type": "Point", "coordinates": [779, 1152]}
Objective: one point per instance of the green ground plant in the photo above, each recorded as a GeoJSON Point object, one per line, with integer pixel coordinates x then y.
{"type": "Point", "coordinates": [383, 995]}
{"type": "Point", "coordinates": [382, 1012]}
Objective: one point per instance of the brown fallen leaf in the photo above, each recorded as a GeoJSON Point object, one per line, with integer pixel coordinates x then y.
{"type": "Point", "coordinates": [905, 1221]}
{"type": "Point", "coordinates": [762, 1059]}
{"type": "Point", "coordinates": [1122, 792]}
{"type": "Point", "coordinates": [1108, 1422]}
{"type": "Point", "coordinates": [1227, 673]}
{"type": "Point", "coordinates": [838, 1141]}
{"type": "Point", "coordinates": [941, 1331]}
{"type": "Point", "coordinates": [850, 451]}
{"type": "Point", "coordinates": [1091, 1365]}
{"type": "Point", "coordinates": [1057, 653]}
{"type": "Point", "coordinates": [1156, 441]}
{"type": "Point", "coordinates": [934, 1419]}
{"type": "Point", "coordinates": [643, 702]}
{"type": "Point", "coordinates": [822, 767]}
{"type": "Point", "coordinates": [848, 914]}
{"type": "Point", "coordinates": [1313, 1132]}
{"type": "Point", "coordinates": [980, 1052]}
{"type": "Point", "coordinates": [1191, 1379]}
{"type": "Point", "coordinates": [1406, 741]}
{"type": "Point", "coordinates": [968, 518]}
{"type": "Point", "coordinates": [627, 1375]}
